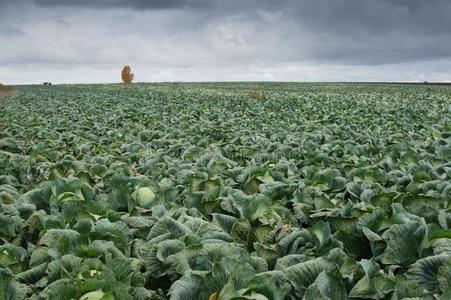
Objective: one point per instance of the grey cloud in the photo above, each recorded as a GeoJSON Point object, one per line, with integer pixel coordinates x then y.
{"type": "Point", "coordinates": [10, 31]}
{"type": "Point", "coordinates": [221, 34]}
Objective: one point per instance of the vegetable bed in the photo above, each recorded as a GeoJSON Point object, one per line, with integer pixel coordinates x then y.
{"type": "Point", "coordinates": [199, 191]}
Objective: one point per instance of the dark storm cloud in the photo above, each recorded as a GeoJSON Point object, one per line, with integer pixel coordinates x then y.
{"type": "Point", "coordinates": [136, 4]}
{"type": "Point", "coordinates": [339, 16]}
{"type": "Point", "coordinates": [375, 17]}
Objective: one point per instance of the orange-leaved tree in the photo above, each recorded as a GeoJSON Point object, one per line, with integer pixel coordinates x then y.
{"type": "Point", "coordinates": [127, 75]}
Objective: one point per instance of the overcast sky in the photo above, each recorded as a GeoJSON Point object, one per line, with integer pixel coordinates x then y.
{"type": "Point", "coordinates": [69, 41]}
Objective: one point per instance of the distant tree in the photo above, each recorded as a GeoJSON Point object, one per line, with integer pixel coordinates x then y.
{"type": "Point", "coordinates": [127, 75]}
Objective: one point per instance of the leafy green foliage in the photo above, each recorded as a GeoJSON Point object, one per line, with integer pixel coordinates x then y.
{"type": "Point", "coordinates": [192, 191]}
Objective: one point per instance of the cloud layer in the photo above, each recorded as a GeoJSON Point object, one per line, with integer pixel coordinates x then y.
{"type": "Point", "coordinates": [226, 40]}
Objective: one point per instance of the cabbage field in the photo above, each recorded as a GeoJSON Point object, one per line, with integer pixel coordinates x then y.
{"type": "Point", "coordinates": [200, 191]}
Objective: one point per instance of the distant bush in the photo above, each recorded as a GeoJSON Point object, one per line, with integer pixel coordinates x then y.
{"type": "Point", "coordinates": [5, 90]}
{"type": "Point", "coordinates": [127, 75]}
{"type": "Point", "coordinates": [256, 95]}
